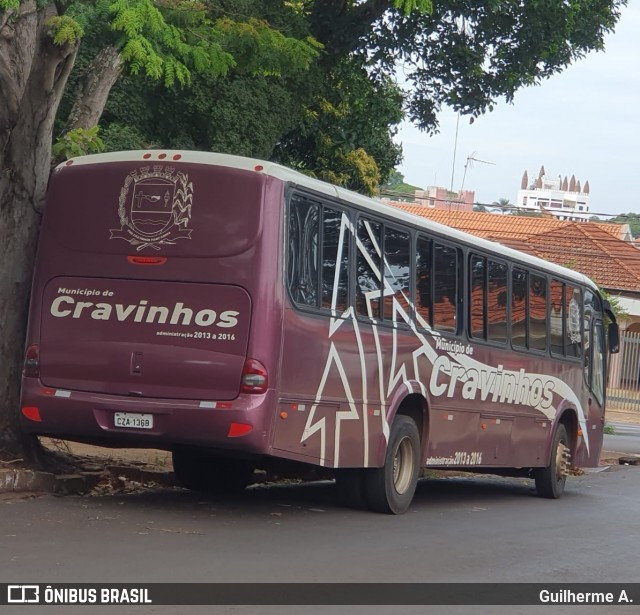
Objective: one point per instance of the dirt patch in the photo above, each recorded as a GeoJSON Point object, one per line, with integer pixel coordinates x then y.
{"type": "Point", "coordinates": [153, 459]}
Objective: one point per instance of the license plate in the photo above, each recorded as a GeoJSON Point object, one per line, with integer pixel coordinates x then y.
{"type": "Point", "coordinates": [134, 420]}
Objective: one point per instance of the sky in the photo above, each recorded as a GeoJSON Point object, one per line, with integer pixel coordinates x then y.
{"type": "Point", "coordinates": [584, 121]}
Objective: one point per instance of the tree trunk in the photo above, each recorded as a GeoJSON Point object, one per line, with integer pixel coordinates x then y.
{"type": "Point", "coordinates": [95, 86]}
{"type": "Point", "coordinates": [33, 74]}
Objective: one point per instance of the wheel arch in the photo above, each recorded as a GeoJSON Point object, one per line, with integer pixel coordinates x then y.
{"type": "Point", "coordinates": [569, 418]}
{"type": "Point", "coordinates": [415, 406]}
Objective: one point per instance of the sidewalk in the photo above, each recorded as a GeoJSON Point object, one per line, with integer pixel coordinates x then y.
{"type": "Point", "coordinates": [630, 417]}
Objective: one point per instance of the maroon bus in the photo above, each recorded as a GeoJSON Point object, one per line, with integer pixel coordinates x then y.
{"type": "Point", "coordinates": [234, 312]}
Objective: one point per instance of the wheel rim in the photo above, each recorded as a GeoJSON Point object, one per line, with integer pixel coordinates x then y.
{"type": "Point", "coordinates": [403, 466]}
{"type": "Point", "coordinates": [562, 461]}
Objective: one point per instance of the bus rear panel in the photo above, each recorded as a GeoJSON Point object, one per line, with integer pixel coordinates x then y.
{"type": "Point", "coordinates": [143, 321]}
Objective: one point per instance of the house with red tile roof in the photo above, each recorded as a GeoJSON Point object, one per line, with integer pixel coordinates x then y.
{"type": "Point", "coordinates": [593, 248]}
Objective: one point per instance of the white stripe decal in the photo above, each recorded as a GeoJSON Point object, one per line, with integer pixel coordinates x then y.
{"type": "Point", "coordinates": [428, 340]}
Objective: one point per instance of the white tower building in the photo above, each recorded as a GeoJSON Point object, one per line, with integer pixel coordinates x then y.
{"type": "Point", "coordinates": [565, 199]}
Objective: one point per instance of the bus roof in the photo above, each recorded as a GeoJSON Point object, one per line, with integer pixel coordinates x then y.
{"type": "Point", "coordinates": [300, 179]}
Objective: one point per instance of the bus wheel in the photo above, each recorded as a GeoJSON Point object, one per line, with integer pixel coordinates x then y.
{"type": "Point", "coordinates": [203, 471]}
{"type": "Point", "coordinates": [390, 489]}
{"type": "Point", "coordinates": [550, 481]}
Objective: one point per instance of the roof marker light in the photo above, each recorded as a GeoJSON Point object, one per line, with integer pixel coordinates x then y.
{"type": "Point", "coordinates": [258, 167]}
{"type": "Point", "coordinates": [177, 156]}
{"type": "Point", "coordinates": [69, 163]}
{"type": "Point", "coordinates": [146, 156]}
{"type": "Point", "coordinates": [162, 156]}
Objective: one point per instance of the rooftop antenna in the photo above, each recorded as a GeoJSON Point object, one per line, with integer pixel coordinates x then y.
{"type": "Point", "coordinates": [471, 158]}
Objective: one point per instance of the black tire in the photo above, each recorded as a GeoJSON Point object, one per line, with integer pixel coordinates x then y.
{"type": "Point", "coordinates": [350, 487]}
{"type": "Point", "coordinates": [390, 489]}
{"type": "Point", "coordinates": [204, 471]}
{"type": "Point", "coordinates": [550, 481]}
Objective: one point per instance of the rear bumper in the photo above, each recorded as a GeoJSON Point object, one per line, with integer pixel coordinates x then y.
{"type": "Point", "coordinates": [89, 417]}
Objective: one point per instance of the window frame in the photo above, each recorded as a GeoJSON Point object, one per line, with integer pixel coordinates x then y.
{"type": "Point", "coordinates": [464, 252]}
{"type": "Point", "coordinates": [323, 203]}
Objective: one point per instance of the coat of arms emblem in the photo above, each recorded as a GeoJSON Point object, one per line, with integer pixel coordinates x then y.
{"type": "Point", "coordinates": [154, 208]}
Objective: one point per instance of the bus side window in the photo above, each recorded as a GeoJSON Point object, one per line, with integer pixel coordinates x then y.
{"type": "Point", "coordinates": [368, 268]}
{"type": "Point", "coordinates": [538, 312]}
{"type": "Point", "coordinates": [586, 335]}
{"type": "Point", "coordinates": [445, 288]}
{"type": "Point", "coordinates": [423, 282]}
{"type": "Point", "coordinates": [598, 375]}
{"type": "Point", "coordinates": [335, 261]}
{"type": "Point", "coordinates": [556, 317]}
{"type": "Point", "coordinates": [478, 295]}
{"type": "Point", "coordinates": [519, 308]}
{"type": "Point", "coordinates": [573, 311]}
{"type": "Point", "coordinates": [497, 303]}
{"type": "Point", "coordinates": [302, 270]}
{"type": "Point", "coordinates": [397, 274]}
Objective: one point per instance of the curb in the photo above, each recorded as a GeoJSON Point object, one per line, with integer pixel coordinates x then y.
{"type": "Point", "coordinates": [21, 480]}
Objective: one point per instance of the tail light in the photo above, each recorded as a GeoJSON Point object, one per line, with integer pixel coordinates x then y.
{"type": "Point", "coordinates": [32, 413]}
{"type": "Point", "coordinates": [32, 361]}
{"type": "Point", "coordinates": [239, 429]}
{"type": "Point", "coordinates": [147, 260]}
{"type": "Point", "coordinates": [254, 377]}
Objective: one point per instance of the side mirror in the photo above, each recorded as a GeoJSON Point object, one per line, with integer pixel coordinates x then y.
{"type": "Point", "coordinates": [613, 337]}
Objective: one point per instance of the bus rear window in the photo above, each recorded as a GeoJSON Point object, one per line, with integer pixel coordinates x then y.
{"type": "Point", "coordinates": [171, 209]}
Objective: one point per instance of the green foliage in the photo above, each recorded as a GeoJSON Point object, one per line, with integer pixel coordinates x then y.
{"type": "Point", "coordinates": [150, 43]}
{"type": "Point", "coordinates": [78, 142]}
{"type": "Point", "coordinates": [348, 125]}
{"type": "Point", "coordinates": [169, 40]}
{"type": "Point", "coordinates": [614, 302]}
{"type": "Point", "coordinates": [502, 203]}
{"type": "Point", "coordinates": [407, 6]}
{"type": "Point", "coordinates": [8, 5]}
{"type": "Point", "coordinates": [119, 137]}
{"type": "Point", "coordinates": [259, 49]}
{"type": "Point", "coordinates": [355, 170]}
{"type": "Point", "coordinates": [632, 219]}
{"type": "Point", "coordinates": [239, 114]}
{"type": "Point", "coordinates": [466, 55]}
{"type": "Point", "coordinates": [64, 30]}
{"type": "Point", "coordinates": [609, 429]}
{"type": "Point", "coordinates": [312, 82]}
{"type": "Point", "coordinates": [395, 186]}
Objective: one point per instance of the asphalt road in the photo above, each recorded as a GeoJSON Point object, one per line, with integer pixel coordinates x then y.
{"type": "Point", "coordinates": [626, 439]}
{"type": "Point", "coordinates": [458, 530]}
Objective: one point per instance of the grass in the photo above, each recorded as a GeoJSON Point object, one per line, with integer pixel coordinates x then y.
{"type": "Point", "coordinates": [609, 429]}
